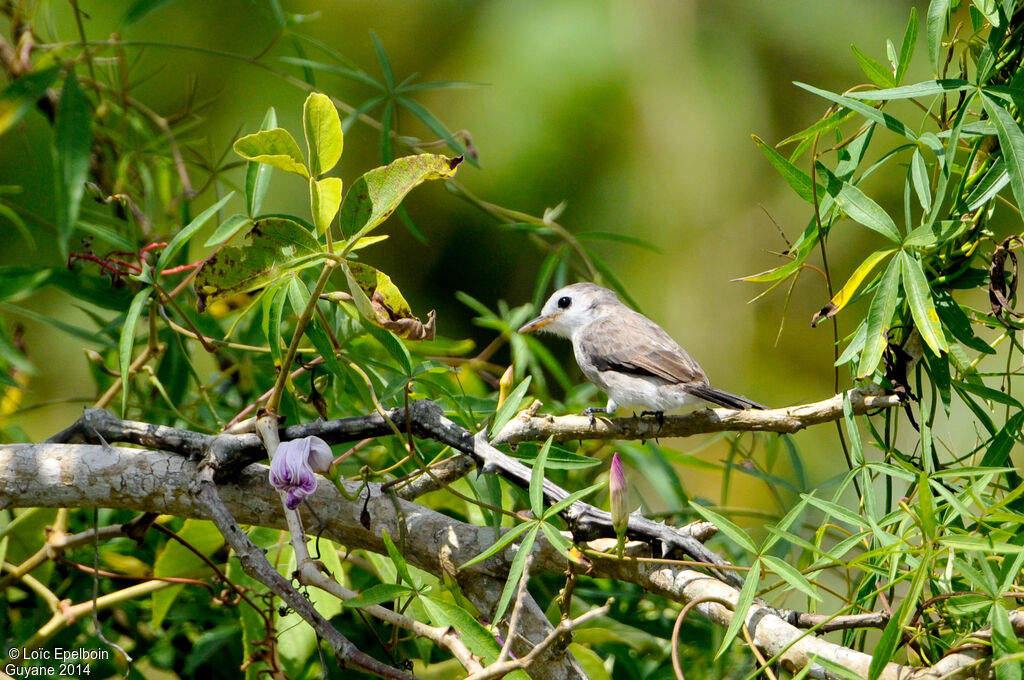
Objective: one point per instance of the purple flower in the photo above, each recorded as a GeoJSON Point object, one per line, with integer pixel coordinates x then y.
{"type": "Point", "coordinates": [293, 466]}
{"type": "Point", "coordinates": [618, 497]}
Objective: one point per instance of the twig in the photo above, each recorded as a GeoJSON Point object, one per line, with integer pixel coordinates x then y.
{"type": "Point", "coordinates": [566, 626]}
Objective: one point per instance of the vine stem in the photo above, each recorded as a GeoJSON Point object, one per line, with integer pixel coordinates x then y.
{"type": "Point", "coordinates": [293, 347]}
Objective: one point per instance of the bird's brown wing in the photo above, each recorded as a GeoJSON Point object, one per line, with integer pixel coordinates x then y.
{"type": "Point", "coordinates": [632, 343]}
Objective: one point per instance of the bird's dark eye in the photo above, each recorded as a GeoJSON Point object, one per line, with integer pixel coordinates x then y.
{"type": "Point", "coordinates": [564, 302]}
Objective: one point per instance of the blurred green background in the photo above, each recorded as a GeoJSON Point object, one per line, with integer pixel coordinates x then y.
{"type": "Point", "coordinates": [638, 114]}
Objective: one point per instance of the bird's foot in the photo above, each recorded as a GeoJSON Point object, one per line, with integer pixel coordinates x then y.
{"type": "Point", "coordinates": [591, 410]}
{"type": "Point", "coordinates": [658, 415]}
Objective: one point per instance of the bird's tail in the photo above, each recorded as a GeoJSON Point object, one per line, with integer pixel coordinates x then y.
{"type": "Point", "coordinates": [723, 398]}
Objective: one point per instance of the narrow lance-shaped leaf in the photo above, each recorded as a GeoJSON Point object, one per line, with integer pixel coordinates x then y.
{"type": "Point", "coordinates": [868, 112]}
{"type": "Point", "coordinates": [374, 196]}
{"type": "Point", "coordinates": [322, 128]}
{"type": "Point", "coordinates": [922, 307]}
{"type": "Point", "coordinates": [1011, 143]}
{"type": "Point", "coordinates": [257, 175]}
{"type": "Point", "coordinates": [907, 48]}
{"type": "Point", "coordinates": [878, 74]}
{"type": "Point", "coordinates": [928, 88]}
{"type": "Point", "coordinates": [852, 285]}
{"type": "Point", "coordinates": [935, 27]}
{"type": "Point", "coordinates": [537, 479]}
{"type": "Point", "coordinates": [72, 139]}
{"type": "Point", "coordinates": [127, 341]}
{"type": "Point", "coordinates": [879, 320]}
{"type": "Point", "coordinates": [182, 237]}
{"type": "Point", "coordinates": [797, 179]}
{"type": "Point", "coordinates": [856, 204]}
{"type": "Point", "coordinates": [743, 602]}
{"type": "Point", "coordinates": [275, 147]}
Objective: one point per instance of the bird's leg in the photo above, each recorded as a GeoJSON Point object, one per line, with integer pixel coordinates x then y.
{"type": "Point", "coordinates": [591, 410]}
{"type": "Point", "coordinates": [658, 415]}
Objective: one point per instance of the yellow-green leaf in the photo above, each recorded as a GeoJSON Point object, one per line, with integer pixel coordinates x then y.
{"type": "Point", "coordinates": [325, 199]}
{"type": "Point", "coordinates": [322, 127]}
{"type": "Point", "coordinates": [375, 195]}
{"type": "Point", "coordinates": [852, 285]}
{"type": "Point", "coordinates": [381, 303]}
{"type": "Point", "coordinates": [274, 247]}
{"type": "Point", "coordinates": [275, 147]}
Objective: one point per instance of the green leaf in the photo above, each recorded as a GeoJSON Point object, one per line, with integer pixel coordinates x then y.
{"type": "Point", "coordinates": [919, 296]}
{"type": "Point", "coordinates": [381, 302]}
{"type": "Point", "coordinates": [374, 196]}
{"type": "Point", "coordinates": [510, 406]}
{"type": "Point", "coordinates": [183, 236]}
{"type": "Point", "coordinates": [515, 571]}
{"type": "Point", "coordinates": [499, 545]}
{"type": "Point", "coordinates": [478, 639]}
{"type": "Point", "coordinates": [920, 180]}
{"type": "Point", "coordinates": [877, 73]}
{"type": "Point", "coordinates": [1004, 644]}
{"type": "Point", "coordinates": [935, 27]}
{"type": "Point", "coordinates": [858, 207]}
{"type": "Point", "coordinates": [556, 539]}
{"type": "Point", "coordinates": [177, 560]}
{"type": "Point", "coordinates": [739, 613]}
{"type": "Point", "coordinates": [797, 179]}
{"type": "Point", "coordinates": [139, 9]}
{"type": "Point", "coordinates": [16, 282]}
{"type": "Point", "coordinates": [325, 198]}
{"type": "Point", "coordinates": [577, 495]}
{"type": "Point", "coordinates": [257, 175]}
{"type": "Point", "coordinates": [396, 556]}
{"type": "Point", "coordinates": [1011, 143]}
{"type": "Point", "coordinates": [229, 227]}
{"type": "Point", "coordinates": [731, 531]}
{"type": "Point", "coordinates": [928, 88]}
{"type": "Point", "coordinates": [868, 112]}
{"type": "Point", "coordinates": [72, 139]}
{"type": "Point", "coordinates": [907, 47]}
{"type": "Point", "coordinates": [275, 147]}
{"type": "Point", "coordinates": [274, 247]}
{"type": "Point", "coordinates": [127, 341]}
{"type": "Point", "coordinates": [558, 459]}
{"type": "Point", "coordinates": [879, 319]}
{"type": "Point", "coordinates": [537, 480]}
{"type": "Point", "coordinates": [792, 576]}
{"type": "Point", "coordinates": [21, 95]}
{"type": "Point", "coordinates": [988, 393]}
{"type": "Point", "coordinates": [436, 126]}
{"type": "Point", "coordinates": [322, 128]}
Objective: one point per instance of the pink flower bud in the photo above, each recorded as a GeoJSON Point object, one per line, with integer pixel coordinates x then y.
{"type": "Point", "coordinates": [294, 464]}
{"type": "Point", "coordinates": [618, 495]}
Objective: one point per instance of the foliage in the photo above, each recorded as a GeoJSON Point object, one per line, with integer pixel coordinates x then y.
{"type": "Point", "coordinates": [198, 321]}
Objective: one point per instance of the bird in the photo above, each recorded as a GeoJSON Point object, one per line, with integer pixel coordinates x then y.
{"type": "Point", "coordinates": [628, 356]}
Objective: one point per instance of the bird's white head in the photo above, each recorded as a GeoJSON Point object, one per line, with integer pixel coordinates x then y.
{"type": "Point", "coordinates": [571, 308]}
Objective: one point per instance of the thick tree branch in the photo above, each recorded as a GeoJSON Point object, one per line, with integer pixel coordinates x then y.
{"type": "Point", "coordinates": [49, 475]}
{"type": "Point", "coordinates": [528, 426]}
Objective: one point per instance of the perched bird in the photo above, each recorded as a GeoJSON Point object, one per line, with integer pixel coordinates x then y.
{"type": "Point", "coordinates": [631, 358]}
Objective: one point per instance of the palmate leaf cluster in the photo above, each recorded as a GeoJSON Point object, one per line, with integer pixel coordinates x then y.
{"type": "Point", "coordinates": [199, 332]}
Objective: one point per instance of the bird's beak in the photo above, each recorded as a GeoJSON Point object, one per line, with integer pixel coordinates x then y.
{"type": "Point", "coordinates": [537, 323]}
